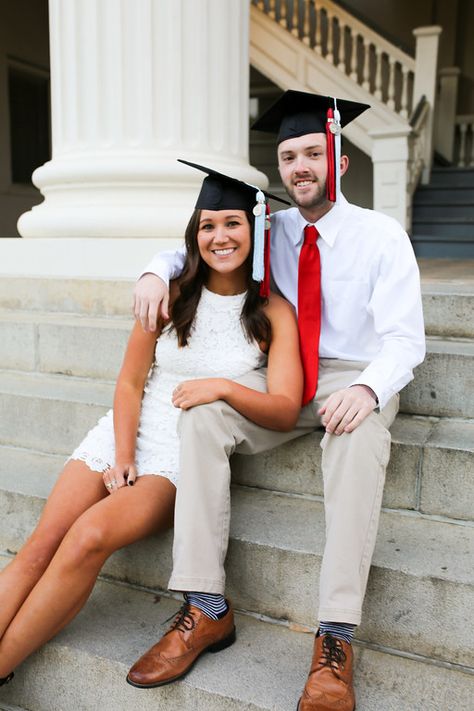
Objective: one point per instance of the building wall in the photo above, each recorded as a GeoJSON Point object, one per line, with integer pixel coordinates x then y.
{"type": "Point", "coordinates": [24, 39]}
{"type": "Point", "coordinates": [464, 56]}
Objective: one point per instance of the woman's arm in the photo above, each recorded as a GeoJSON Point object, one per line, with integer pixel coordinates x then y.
{"type": "Point", "coordinates": [277, 409]}
{"type": "Point", "coordinates": [127, 399]}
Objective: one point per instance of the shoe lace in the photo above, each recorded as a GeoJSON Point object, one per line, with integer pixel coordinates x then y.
{"type": "Point", "coordinates": [183, 620]}
{"type": "Point", "coordinates": [333, 655]}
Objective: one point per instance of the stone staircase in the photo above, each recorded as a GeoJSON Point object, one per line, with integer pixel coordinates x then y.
{"type": "Point", "coordinates": [443, 214]}
{"type": "Point", "coordinates": [61, 344]}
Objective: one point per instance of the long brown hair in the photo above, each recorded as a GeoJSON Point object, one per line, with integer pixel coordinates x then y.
{"type": "Point", "coordinates": [194, 277]}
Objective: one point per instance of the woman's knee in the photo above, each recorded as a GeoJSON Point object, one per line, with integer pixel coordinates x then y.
{"type": "Point", "coordinates": [87, 541]}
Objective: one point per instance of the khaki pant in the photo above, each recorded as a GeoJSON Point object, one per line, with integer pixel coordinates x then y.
{"type": "Point", "coordinates": [353, 471]}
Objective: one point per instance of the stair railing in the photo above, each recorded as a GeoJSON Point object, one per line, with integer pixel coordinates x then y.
{"type": "Point", "coordinates": [378, 66]}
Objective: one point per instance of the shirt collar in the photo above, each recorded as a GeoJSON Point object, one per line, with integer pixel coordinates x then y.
{"type": "Point", "coordinates": [328, 226]}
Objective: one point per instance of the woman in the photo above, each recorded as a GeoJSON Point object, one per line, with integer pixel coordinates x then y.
{"type": "Point", "coordinates": [220, 328]}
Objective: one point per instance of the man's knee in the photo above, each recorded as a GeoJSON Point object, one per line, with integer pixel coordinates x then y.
{"type": "Point", "coordinates": [203, 420]}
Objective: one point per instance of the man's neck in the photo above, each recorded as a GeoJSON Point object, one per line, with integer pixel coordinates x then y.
{"type": "Point", "coordinates": [314, 214]}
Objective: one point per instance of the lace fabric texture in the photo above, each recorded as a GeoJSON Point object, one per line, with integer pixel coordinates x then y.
{"type": "Point", "coordinates": [218, 347]}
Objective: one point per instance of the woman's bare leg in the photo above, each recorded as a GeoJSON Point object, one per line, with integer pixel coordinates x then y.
{"type": "Point", "coordinates": [76, 489]}
{"type": "Point", "coordinates": [129, 514]}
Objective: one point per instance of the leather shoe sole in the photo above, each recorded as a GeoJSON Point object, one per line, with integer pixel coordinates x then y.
{"type": "Point", "coordinates": [216, 647]}
{"type": "Point", "coordinates": [298, 707]}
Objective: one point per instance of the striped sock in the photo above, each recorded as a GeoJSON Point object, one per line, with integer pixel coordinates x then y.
{"type": "Point", "coordinates": [213, 606]}
{"type": "Point", "coordinates": [341, 630]}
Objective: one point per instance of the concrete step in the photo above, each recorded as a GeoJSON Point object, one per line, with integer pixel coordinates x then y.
{"type": "Point", "coordinates": [52, 414]}
{"type": "Point", "coordinates": [455, 229]}
{"type": "Point", "coordinates": [105, 297]}
{"type": "Point", "coordinates": [441, 388]}
{"type": "Point", "coordinates": [443, 247]}
{"type": "Point", "coordinates": [431, 468]}
{"type": "Point", "coordinates": [421, 570]}
{"type": "Point", "coordinates": [452, 177]}
{"type": "Point", "coordinates": [265, 670]}
{"type": "Point", "coordinates": [434, 195]}
{"type": "Point", "coordinates": [71, 344]}
{"type": "Point", "coordinates": [444, 382]}
{"type": "Point", "coordinates": [432, 212]}
{"type": "Point", "coordinates": [448, 309]}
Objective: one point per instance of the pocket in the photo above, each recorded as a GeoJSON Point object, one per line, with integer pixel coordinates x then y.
{"type": "Point", "coordinates": [345, 302]}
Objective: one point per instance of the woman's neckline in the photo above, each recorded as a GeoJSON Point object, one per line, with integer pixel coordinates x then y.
{"type": "Point", "coordinates": [223, 296]}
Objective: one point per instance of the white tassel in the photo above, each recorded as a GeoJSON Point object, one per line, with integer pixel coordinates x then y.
{"type": "Point", "coordinates": [258, 266]}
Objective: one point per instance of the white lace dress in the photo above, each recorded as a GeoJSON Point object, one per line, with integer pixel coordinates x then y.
{"type": "Point", "coordinates": [217, 347]}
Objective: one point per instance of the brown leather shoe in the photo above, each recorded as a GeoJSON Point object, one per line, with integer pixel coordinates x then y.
{"type": "Point", "coordinates": [191, 634]}
{"type": "Point", "coordinates": [329, 685]}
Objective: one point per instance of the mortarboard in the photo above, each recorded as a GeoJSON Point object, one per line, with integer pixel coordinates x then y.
{"type": "Point", "coordinates": [221, 192]}
{"type": "Point", "coordinates": [297, 113]}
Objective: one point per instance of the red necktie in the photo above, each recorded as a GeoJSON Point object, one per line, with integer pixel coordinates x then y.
{"type": "Point", "coordinates": [309, 310]}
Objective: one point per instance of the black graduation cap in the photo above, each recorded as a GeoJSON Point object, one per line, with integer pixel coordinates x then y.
{"type": "Point", "coordinates": [297, 113]}
{"type": "Point", "coordinates": [221, 192]}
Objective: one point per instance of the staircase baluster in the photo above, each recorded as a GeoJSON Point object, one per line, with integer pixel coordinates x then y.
{"type": "Point", "coordinates": [341, 64]}
{"type": "Point", "coordinates": [307, 23]}
{"type": "Point", "coordinates": [391, 84]}
{"type": "Point", "coordinates": [353, 61]}
{"type": "Point", "coordinates": [283, 14]}
{"type": "Point", "coordinates": [366, 70]}
{"type": "Point", "coordinates": [404, 99]}
{"type": "Point", "coordinates": [462, 145]}
{"type": "Point", "coordinates": [295, 21]}
{"type": "Point", "coordinates": [378, 73]}
{"type": "Point", "coordinates": [330, 39]}
{"type": "Point", "coordinates": [318, 43]}
{"type": "Point", "coordinates": [271, 8]}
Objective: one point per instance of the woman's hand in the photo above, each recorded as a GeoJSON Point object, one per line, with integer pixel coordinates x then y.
{"type": "Point", "coordinates": [119, 476]}
{"type": "Point", "coordinates": [198, 392]}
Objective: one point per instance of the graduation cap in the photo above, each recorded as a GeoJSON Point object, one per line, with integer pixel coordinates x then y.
{"type": "Point", "coordinates": [221, 192]}
{"type": "Point", "coordinates": [297, 113]}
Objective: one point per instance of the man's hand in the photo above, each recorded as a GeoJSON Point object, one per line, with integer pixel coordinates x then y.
{"type": "Point", "coordinates": [198, 392]}
{"type": "Point", "coordinates": [150, 298]}
{"type": "Point", "coordinates": [345, 409]}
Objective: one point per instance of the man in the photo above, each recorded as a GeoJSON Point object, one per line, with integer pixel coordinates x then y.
{"type": "Point", "coordinates": [353, 278]}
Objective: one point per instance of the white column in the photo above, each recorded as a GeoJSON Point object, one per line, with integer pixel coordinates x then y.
{"type": "Point", "coordinates": [136, 84]}
{"type": "Point", "coordinates": [426, 67]}
{"type": "Point", "coordinates": [390, 154]}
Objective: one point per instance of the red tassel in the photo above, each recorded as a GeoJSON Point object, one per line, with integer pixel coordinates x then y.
{"type": "Point", "coordinates": [331, 159]}
{"type": "Point", "coordinates": [265, 284]}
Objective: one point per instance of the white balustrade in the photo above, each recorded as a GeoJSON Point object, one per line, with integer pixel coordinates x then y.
{"type": "Point", "coordinates": [350, 46]}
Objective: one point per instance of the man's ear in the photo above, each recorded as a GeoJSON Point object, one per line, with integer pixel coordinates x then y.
{"type": "Point", "coordinates": [344, 164]}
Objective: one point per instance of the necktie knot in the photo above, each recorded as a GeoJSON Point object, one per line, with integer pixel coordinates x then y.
{"type": "Point", "coordinates": [310, 234]}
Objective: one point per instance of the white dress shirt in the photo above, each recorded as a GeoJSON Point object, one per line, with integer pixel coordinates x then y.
{"type": "Point", "coordinates": [371, 299]}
